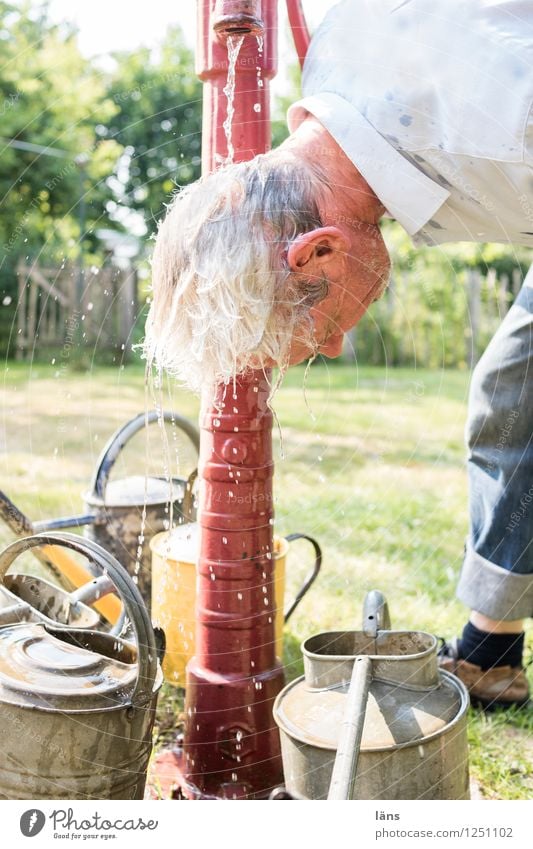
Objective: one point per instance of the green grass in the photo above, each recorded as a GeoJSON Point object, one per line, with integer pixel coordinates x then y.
{"type": "Point", "coordinates": [371, 463]}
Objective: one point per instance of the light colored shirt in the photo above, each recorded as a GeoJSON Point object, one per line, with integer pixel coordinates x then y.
{"type": "Point", "coordinates": [432, 101]}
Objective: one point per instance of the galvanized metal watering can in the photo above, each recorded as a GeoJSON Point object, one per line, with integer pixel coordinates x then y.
{"type": "Point", "coordinates": [77, 705]}
{"type": "Point", "coordinates": [123, 515]}
{"type": "Point", "coordinates": [373, 717]}
{"type": "Point", "coordinates": [174, 557]}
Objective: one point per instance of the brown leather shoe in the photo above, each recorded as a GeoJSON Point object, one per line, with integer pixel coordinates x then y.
{"type": "Point", "coordinates": [500, 686]}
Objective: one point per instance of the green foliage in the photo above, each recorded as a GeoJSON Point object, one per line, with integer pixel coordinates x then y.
{"type": "Point", "coordinates": [124, 140]}
{"type": "Point", "coordinates": [281, 104]}
{"type": "Point", "coordinates": [158, 123]}
{"type": "Point", "coordinates": [51, 96]}
{"type": "Point", "coordinates": [425, 316]}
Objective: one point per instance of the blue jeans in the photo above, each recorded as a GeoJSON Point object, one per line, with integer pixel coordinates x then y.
{"type": "Point", "coordinates": [497, 574]}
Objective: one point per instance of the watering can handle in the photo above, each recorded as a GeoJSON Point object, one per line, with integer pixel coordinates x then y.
{"type": "Point", "coordinates": [310, 578]}
{"type": "Point", "coordinates": [128, 592]}
{"type": "Point", "coordinates": [117, 442]}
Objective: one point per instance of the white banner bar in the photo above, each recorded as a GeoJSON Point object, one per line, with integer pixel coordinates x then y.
{"type": "Point", "coordinates": [257, 825]}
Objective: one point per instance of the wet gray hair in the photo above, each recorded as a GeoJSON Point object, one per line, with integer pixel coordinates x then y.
{"type": "Point", "coordinates": [224, 298]}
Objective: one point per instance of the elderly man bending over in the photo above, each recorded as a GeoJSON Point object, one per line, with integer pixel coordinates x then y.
{"type": "Point", "coordinates": [421, 109]}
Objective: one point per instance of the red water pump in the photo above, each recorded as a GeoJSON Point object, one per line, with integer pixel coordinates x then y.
{"type": "Point", "coordinates": [230, 747]}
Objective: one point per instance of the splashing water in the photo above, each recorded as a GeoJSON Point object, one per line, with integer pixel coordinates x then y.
{"type": "Point", "coordinates": [234, 46]}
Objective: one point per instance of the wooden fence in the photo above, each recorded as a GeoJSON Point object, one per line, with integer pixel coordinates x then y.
{"type": "Point", "coordinates": [49, 314]}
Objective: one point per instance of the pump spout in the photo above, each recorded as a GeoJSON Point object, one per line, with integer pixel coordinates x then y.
{"type": "Point", "coordinates": [237, 17]}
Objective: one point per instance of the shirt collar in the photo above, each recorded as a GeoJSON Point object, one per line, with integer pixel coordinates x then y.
{"type": "Point", "coordinates": [407, 193]}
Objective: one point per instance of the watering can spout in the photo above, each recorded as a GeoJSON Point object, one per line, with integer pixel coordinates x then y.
{"type": "Point", "coordinates": [238, 17]}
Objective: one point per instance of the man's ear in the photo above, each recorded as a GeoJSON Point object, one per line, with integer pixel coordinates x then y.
{"type": "Point", "coordinates": [312, 252]}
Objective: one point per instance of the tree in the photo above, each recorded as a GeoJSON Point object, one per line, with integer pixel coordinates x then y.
{"type": "Point", "coordinates": [50, 96]}
{"type": "Point", "coordinates": [158, 123]}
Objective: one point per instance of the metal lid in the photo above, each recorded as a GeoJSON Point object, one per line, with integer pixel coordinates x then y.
{"type": "Point", "coordinates": [395, 715]}
{"type": "Point", "coordinates": [65, 670]}
{"type": "Point", "coordinates": [181, 544]}
{"type": "Point", "coordinates": [135, 491]}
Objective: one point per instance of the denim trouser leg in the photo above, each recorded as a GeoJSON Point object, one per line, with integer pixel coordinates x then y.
{"type": "Point", "coordinates": [497, 574]}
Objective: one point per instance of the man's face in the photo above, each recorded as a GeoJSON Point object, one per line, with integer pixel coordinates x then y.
{"type": "Point", "coordinates": [357, 272]}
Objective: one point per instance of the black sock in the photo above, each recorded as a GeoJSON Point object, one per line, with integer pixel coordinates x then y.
{"type": "Point", "coordinates": [487, 650]}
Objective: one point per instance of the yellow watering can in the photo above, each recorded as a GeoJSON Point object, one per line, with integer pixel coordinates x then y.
{"type": "Point", "coordinates": [174, 557]}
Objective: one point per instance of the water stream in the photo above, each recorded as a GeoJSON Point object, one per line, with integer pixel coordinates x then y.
{"type": "Point", "coordinates": [234, 45]}
{"type": "Point", "coordinates": [153, 383]}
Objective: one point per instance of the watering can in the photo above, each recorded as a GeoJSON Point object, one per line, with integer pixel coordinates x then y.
{"type": "Point", "coordinates": [174, 558]}
{"type": "Point", "coordinates": [123, 515]}
{"type": "Point", "coordinates": [77, 705]}
{"type": "Point", "coordinates": [373, 717]}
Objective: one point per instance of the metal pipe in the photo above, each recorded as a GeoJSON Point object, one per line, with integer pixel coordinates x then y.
{"type": "Point", "coordinates": [255, 67]}
{"type": "Point", "coordinates": [231, 746]}
{"type": "Point", "coordinates": [238, 17]}
{"type": "Point", "coordinates": [63, 522]}
{"type": "Point", "coordinates": [353, 720]}
{"type": "Point", "coordinates": [376, 616]}
{"type": "Point", "coordinates": [300, 32]}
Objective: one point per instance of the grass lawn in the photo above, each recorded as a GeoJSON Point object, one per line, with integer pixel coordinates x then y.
{"type": "Point", "coordinates": [369, 461]}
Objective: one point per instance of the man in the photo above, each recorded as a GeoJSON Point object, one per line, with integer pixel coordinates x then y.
{"type": "Point", "coordinates": [421, 109]}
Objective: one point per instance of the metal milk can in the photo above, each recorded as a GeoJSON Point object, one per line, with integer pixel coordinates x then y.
{"type": "Point", "coordinates": [77, 705]}
{"type": "Point", "coordinates": [174, 557]}
{"type": "Point", "coordinates": [123, 515]}
{"type": "Point", "coordinates": [381, 693]}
